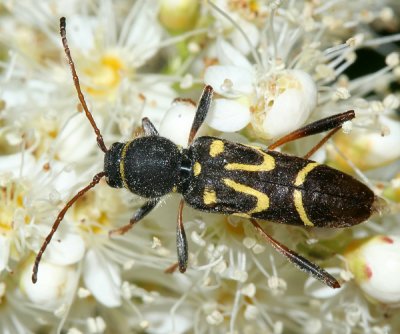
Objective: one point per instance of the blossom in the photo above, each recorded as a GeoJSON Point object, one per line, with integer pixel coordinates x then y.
{"type": "Point", "coordinates": [274, 66]}
{"type": "Point", "coordinates": [290, 78]}
{"type": "Point", "coordinates": [373, 263]}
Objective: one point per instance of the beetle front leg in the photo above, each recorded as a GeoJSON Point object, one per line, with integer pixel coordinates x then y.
{"type": "Point", "coordinates": [201, 113]}
{"type": "Point", "coordinates": [137, 216]}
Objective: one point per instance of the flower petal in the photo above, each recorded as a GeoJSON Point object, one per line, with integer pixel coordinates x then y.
{"type": "Point", "coordinates": [144, 36]}
{"type": "Point", "coordinates": [66, 250]}
{"type": "Point", "coordinates": [377, 278]}
{"type": "Point", "coordinates": [230, 81]}
{"type": "Point", "coordinates": [83, 28]}
{"type": "Point", "coordinates": [4, 252]}
{"type": "Point", "coordinates": [293, 106]}
{"type": "Point", "coordinates": [179, 116]}
{"type": "Point", "coordinates": [228, 55]}
{"type": "Point", "coordinates": [252, 33]}
{"type": "Point", "coordinates": [73, 144]}
{"type": "Point", "coordinates": [12, 163]}
{"type": "Point", "coordinates": [54, 284]}
{"type": "Point", "coordinates": [228, 115]}
{"type": "Point", "coordinates": [103, 279]}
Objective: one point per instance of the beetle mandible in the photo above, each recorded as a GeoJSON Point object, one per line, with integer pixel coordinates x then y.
{"type": "Point", "coordinates": [216, 175]}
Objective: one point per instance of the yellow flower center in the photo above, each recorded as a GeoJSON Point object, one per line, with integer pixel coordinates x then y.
{"type": "Point", "coordinates": [104, 76]}
{"type": "Point", "coordinates": [90, 216]}
{"type": "Point", "coordinates": [248, 9]}
{"type": "Point", "coordinates": [11, 200]}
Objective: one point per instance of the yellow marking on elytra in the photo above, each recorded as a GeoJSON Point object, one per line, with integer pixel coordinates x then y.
{"type": "Point", "coordinates": [196, 169]}
{"type": "Point", "coordinates": [267, 164]}
{"type": "Point", "coordinates": [298, 203]}
{"type": "Point", "coordinates": [209, 196]}
{"type": "Point", "coordinates": [241, 214]}
{"type": "Point", "coordinates": [262, 199]}
{"type": "Point", "coordinates": [216, 147]}
{"type": "Point", "coordinates": [301, 176]}
{"type": "Point", "coordinates": [122, 165]}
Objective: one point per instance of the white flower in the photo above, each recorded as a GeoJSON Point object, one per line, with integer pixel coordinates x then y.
{"type": "Point", "coordinates": [277, 92]}
{"type": "Point", "coordinates": [274, 65]}
{"type": "Point", "coordinates": [27, 197]}
{"type": "Point", "coordinates": [177, 122]}
{"type": "Point", "coordinates": [375, 264]}
{"type": "Point", "coordinates": [57, 284]}
{"type": "Point", "coordinates": [273, 104]}
{"type": "Point", "coordinates": [102, 278]}
{"type": "Point", "coordinates": [366, 149]}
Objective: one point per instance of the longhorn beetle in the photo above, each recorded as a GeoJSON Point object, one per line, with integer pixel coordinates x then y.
{"type": "Point", "coordinates": [216, 175]}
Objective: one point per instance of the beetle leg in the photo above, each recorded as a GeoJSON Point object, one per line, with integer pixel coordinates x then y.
{"type": "Point", "coordinates": [299, 261]}
{"type": "Point", "coordinates": [172, 268]}
{"type": "Point", "coordinates": [322, 125]}
{"type": "Point", "coordinates": [148, 127]}
{"type": "Point", "coordinates": [137, 216]}
{"type": "Point", "coordinates": [181, 241]}
{"type": "Point", "coordinates": [320, 143]}
{"type": "Point", "coordinates": [201, 113]}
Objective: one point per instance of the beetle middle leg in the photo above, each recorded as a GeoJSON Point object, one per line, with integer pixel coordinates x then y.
{"type": "Point", "coordinates": [299, 261]}
{"type": "Point", "coordinates": [137, 216]}
{"type": "Point", "coordinates": [181, 241]}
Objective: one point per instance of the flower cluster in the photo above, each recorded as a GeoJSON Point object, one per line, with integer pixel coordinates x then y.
{"type": "Point", "coordinates": [274, 66]}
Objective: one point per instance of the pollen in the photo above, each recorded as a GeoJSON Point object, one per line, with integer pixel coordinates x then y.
{"type": "Point", "coordinates": [104, 76]}
{"type": "Point", "coordinates": [90, 215]}
{"type": "Point", "coordinates": [11, 202]}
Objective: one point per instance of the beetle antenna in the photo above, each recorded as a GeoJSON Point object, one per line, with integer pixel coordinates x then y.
{"type": "Point", "coordinates": [60, 217]}
{"type": "Point", "coordinates": [100, 140]}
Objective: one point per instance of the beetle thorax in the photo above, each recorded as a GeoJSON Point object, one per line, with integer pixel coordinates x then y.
{"type": "Point", "coordinates": [148, 166]}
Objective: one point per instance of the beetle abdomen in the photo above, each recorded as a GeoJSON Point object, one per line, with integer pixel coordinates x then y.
{"type": "Point", "coordinates": [334, 199]}
{"type": "Point", "coordinates": [236, 179]}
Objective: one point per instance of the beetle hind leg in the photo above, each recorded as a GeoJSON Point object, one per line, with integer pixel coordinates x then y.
{"type": "Point", "coordinates": [332, 123]}
{"type": "Point", "coordinates": [299, 261]}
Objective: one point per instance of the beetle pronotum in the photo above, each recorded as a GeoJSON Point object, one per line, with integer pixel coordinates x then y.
{"type": "Point", "coordinates": [215, 175]}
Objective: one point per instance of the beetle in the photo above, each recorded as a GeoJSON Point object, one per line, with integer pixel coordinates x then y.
{"type": "Point", "coordinates": [216, 175]}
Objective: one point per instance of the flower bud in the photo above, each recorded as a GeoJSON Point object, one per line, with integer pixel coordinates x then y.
{"type": "Point", "coordinates": [375, 264]}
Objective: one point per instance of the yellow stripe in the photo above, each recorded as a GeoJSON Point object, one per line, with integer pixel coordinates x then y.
{"type": "Point", "coordinates": [262, 199]}
{"type": "Point", "coordinates": [196, 169]}
{"type": "Point", "coordinates": [298, 203]}
{"type": "Point", "coordinates": [301, 176]}
{"type": "Point", "coordinates": [216, 147]}
{"type": "Point", "coordinates": [241, 214]}
{"type": "Point", "coordinates": [122, 165]}
{"type": "Point", "coordinates": [209, 196]}
{"type": "Point", "coordinates": [267, 164]}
